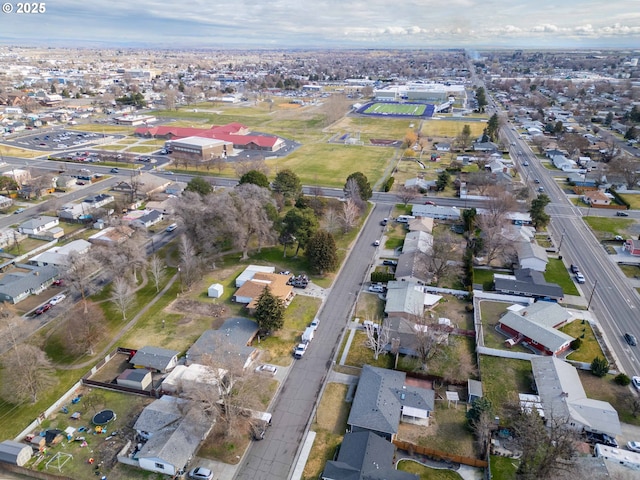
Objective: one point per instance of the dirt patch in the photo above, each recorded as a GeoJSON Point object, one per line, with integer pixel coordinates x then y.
{"type": "Point", "coordinates": [195, 307]}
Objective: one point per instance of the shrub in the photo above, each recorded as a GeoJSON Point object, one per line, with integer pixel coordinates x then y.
{"type": "Point", "coordinates": [382, 277]}
{"type": "Point", "coordinates": [599, 367]}
{"type": "Point", "coordinates": [576, 344]}
{"type": "Point", "coordinates": [622, 379]}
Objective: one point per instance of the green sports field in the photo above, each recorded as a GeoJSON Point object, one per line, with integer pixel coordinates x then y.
{"type": "Point", "coordinates": [395, 109]}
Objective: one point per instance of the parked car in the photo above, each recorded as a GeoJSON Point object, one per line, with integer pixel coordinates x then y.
{"type": "Point", "coordinates": [580, 278]}
{"type": "Point", "coordinates": [259, 430]}
{"type": "Point", "coordinates": [636, 382]}
{"type": "Point", "coordinates": [574, 268]}
{"type": "Point", "coordinates": [300, 349]}
{"type": "Point", "coordinates": [384, 221]}
{"type": "Point", "coordinates": [525, 163]}
{"type": "Point", "coordinates": [201, 473]}
{"type": "Point", "coordinates": [429, 202]}
{"type": "Point", "coordinates": [376, 243]}
{"type": "Point", "coordinates": [57, 299]}
{"type": "Point", "coordinates": [602, 438]}
{"type": "Point", "coordinates": [630, 339]}
{"type": "Point", "coordinates": [622, 214]}
{"type": "Point", "coordinates": [172, 227]}
{"type": "Point", "coordinates": [315, 324]}
{"type": "Point", "coordinates": [634, 446]}
{"type": "Point", "coordinates": [619, 238]}
{"type": "Point", "coordinates": [58, 283]}
{"type": "Point", "coordinates": [536, 180]}
{"type": "Point", "coordinates": [376, 288]}
{"type": "Point", "coordinates": [266, 368]}
{"type": "Point", "coordinates": [390, 263]}
{"type": "Point", "coordinates": [115, 170]}
{"type": "Point", "coordinates": [42, 308]}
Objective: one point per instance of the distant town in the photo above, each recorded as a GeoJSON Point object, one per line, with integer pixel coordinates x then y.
{"type": "Point", "coordinates": [297, 264]}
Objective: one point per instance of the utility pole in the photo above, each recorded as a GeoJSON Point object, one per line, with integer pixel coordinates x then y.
{"type": "Point", "coordinates": [592, 292]}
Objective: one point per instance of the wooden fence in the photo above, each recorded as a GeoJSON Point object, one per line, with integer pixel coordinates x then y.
{"type": "Point", "coordinates": [438, 454]}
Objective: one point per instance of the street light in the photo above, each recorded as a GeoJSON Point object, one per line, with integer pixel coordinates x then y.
{"type": "Point", "coordinates": [561, 240]}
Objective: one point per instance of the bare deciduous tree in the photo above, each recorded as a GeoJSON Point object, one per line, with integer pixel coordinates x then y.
{"type": "Point", "coordinates": [378, 334]}
{"type": "Point", "coordinates": [443, 253]}
{"type": "Point", "coordinates": [84, 329]}
{"type": "Point", "coordinates": [122, 295]}
{"type": "Point", "coordinates": [330, 221]}
{"type": "Point", "coordinates": [157, 271]}
{"type": "Point", "coordinates": [628, 168]}
{"type": "Point", "coordinates": [350, 215]}
{"type": "Point", "coordinates": [407, 194]}
{"type": "Point", "coordinates": [190, 266]}
{"type": "Point", "coordinates": [27, 372]}
{"type": "Point", "coordinates": [78, 275]}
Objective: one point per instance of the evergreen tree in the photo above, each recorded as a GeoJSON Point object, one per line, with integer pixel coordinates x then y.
{"type": "Point", "coordinates": [363, 185]}
{"type": "Point", "coordinates": [493, 126]}
{"type": "Point", "coordinates": [322, 253]}
{"type": "Point", "coordinates": [608, 119]}
{"type": "Point", "coordinates": [631, 133]}
{"type": "Point", "coordinates": [269, 311]}
{"type": "Point", "coordinates": [443, 181]}
{"type": "Point", "coordinates": [199, 185]}
{"type": "Point", "coordinates": [288, 184]}
{"type": "Point", "coordinates": [599, 367]}
{"type": "Point", "coordinates": [299, 224]}
{"type": "Point", "coordinates": [255, 177]}
{"type": "Point", "coordinates": [539, 217]}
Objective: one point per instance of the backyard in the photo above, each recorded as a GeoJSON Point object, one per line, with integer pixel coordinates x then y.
{"type": "Point", "coordinates": [490, 313]}
{"type": "Point", "coordinates": [589, 348]}
{"type": "Point", "coordinates": [503, 378]}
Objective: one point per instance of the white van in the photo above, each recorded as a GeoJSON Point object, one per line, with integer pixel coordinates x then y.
{"type": "Point", "coordinates": [404, 218]}
{"type": "Point", "coordinates": [172, 227]}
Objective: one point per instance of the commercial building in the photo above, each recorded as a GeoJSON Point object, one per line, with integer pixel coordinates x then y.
{"type": "Point", "coordinates": [200, 149]}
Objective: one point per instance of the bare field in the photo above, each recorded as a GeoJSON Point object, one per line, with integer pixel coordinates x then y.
{"type": "Point", "coordinates": [451, 128]}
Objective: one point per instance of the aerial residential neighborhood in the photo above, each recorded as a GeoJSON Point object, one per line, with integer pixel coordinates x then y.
{"type": "Point", "coordinates": [388, 261]}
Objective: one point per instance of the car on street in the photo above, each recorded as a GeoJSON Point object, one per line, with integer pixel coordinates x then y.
{"type": "Point", "coordinates": [635, 381]}
{"type": "Point", "coordinates": [630, 339]}
{"type": "Point", "coordinates": [20, 210]}
{"type": "Point", "coordinates": [429, 202]}
{"type": "Point", "coordinates": [384, 221]}
{"type": "Point", "coordinates": [622, 214]}
{"type": "Point", "coordinates": [42, 308]}
{"type": "Point", "coordinates": [525, 163]}
{"type": "Point", "coordinates": [57, 299]}
{"type": "Point", "coordinates": [259, 430]}
{"type": "Point", "coordinates": [315, 324]}
{"type": "Point", "coordinates": [172, 227]}
{"type": "Point", "coordinates": [58, 283]}
{"type": "Point", "coordinates": [634, 446]}
{"type": "Point", "coordinates": [580, 278]}
{"type": "Point", "coordinates": [376, 243]}
{"type": "Point", "coordinates": [266, 368]}
{"type": "Point", "coordinates": [540, 189]}
{"type": "Point", "coordinates": [536, 180]}
{"type": "Point", "coordinates": [300, 349]}
{"type": "Point", "coordinates": [574, 268]}
{"type": "Point", "coordinates": [115, 170]}
{"type": "Point", "coordinates": [201, 473]}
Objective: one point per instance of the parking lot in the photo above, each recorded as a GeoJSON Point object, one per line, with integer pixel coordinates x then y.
{"type": "Point", "coordinates": [58, 138]}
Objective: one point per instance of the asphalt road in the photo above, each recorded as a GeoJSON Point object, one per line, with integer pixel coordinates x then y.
{"type": "Point", "coordinates": [273, 458]}
{"type": "Point", "coordinates": [614, 302]}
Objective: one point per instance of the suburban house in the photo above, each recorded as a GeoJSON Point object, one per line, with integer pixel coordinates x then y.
{"type": "Point", "coordinates": [155, 359]}
{"type": "Point", "coordinates": [251, 289]}
{"type": "Point", "coordinates": [364, 456]}
{"type": "Point", "coordinates": [83, 210]}
{"type": "Point", "coordinates": [383, 400]}
{"type": "Point", "coordinates": [231, 341]}
{"type": "Point", "coordinates": [5, 202]}
{"type": "Point", "coordinates": [417, 240]}
{"type": "Point", "coordinates": [443, 147]}
{"type": "Point", "coordinates": [408, 300]}
{"type": "Point", "coordinates": [581, 180]}
{"type": "Point", "coordinates": [422, 224]}
{"type": "Point", "coordinates": [529, 283]}
{"type": "Point", "coordinates": [111, 235]}
{"type": "Point", "coordinates": [536, 326]}
{"type": "Point", "coordinates": [436, 212]}
{"type": "Point", "coordinates": [563, 163]}
{"type": "Point", "coordinates": [596, 198]}
{"type": "Point", "coordinates": [59, 256]}
{"type": "Point", "coordinates": [412, 267]}
{"type": "Point", "coordinates": [489, 147]}
{"type": "Point", "coordinates": [531, 255]}
{"type": "Point", "coordinates": [148, 219]}
{"type": "Point", "coordinates": [173, 429]}
{"type": "Point", "coordinates": [186, 379]}
{"type": "Point", "coordinates": [25, 280]}
{"type": "Point", "coordinates": [632, 246]}
{"type": "Point", "coordinates": [420, 184]}
{"type": "Point", "coordinates": [563, 397]}
{"type": "Point", "coordinates": [404, 335]}
{"type": "Point", "coordinates": [250, 271]}
{"type": "Point", "coordinates": [36, 226]}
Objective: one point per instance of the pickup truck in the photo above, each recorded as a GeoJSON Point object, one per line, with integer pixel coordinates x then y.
{"type": "Point", "coordinates": [300, 349]}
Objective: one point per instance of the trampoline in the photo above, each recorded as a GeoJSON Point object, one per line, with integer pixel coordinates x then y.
{"type": "Point", "coordinates": [103, 417]}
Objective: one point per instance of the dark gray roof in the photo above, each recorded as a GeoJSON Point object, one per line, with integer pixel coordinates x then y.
{"type": "Point", "coordinates": [375, 405]}
{"type": "Point", "coordinates": [365, 455]}
{"type": "Point", "coordinates": [154, 357]}
{"type": "Point", "coordinates": [16, 283]}
{"type": "Point", "coordinates": [232, 338]}
{"type": "Point", "coordinates": [413, 266]}
{"type": "Point", "coordinates": [151, 216]}
{"type": "Point", "coordinates": [528, 282]}
{"type": "Point", "coordinates": [134, 374]}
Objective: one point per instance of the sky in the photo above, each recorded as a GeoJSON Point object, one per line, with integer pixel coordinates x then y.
{"type": "Point", "coordinates": [326, 24]}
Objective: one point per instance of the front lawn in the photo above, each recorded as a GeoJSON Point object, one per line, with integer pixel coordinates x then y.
{"type": "Point", "coordinates": [607, 390]}
{"type": "Point", "coordinates": [503, 468]}
{"type": "Point", "coordinates": [589, 349]}
{"type": "Point", "coordinates": [359, 354]}
{"type": "Point", "coordinates": [557, 272]}
{"type": "Point", "coordinates": [604, 227]}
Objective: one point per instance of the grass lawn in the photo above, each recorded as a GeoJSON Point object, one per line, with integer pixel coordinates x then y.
{"type": "Point", "coordinates": [607, 390]}
{"type": "Point", "coordinates": [369, 307]}
{"type": "Point", "coordinates": [24, 246]}
{"type": "Point", "coordinates": [490, 313]}
{"type": "Point", "coordinates": [359, 354]}
{"type": "Point", "coordinates": [371, 127]}
{"type": "Point", "coordinates": [632, 199]}
{"type": "Point", "coordinates": [426, 473]}
{"type": "Point", "coordinates": [19, 152]}
{"type": "Point", "coordinates": [589, 349]}
{"type": "Point", "coordinates": [503, 378]}
{"type": "Point", "coordinates": [330, 164]}
{"type": "Point", "coordinates": [450, 128]}
{"type": "Point", "coordinates": [630, 271]}
{"type": "Point", "coordinates": [543, 241]}
{"type": "Point", "coordinates": [455, 361]}
{"type": "Point", "coordinates": [483, 276]}
{"type": "Point", "coordinates": [141, 149]}
{"type": "Point", "coordinates": [604, 227]}
{"type": "Point", "coordinates": [330, 425]}
{"type": "Point", "coordinates": [557, 273]}
{"type": "Point", "coordinates": [503, 468]}
{"type": "Point", "coordinates": [101, 128]}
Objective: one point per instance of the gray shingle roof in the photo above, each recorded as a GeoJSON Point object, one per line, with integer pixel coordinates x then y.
{"type": "Point", "coordinates": [154, 357]}
{"type": "Point", "coordinates": [528, 282]}
{"type": "Point", "coordinates": [407, 297]}
{"type": "Point", "coordinates": [16, 283]}
{"type": "Point", "coordinates": [232, 337]}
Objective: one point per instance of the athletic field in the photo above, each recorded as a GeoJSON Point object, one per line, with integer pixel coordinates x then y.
{"type": "Point", "coordinates": [413, 109]}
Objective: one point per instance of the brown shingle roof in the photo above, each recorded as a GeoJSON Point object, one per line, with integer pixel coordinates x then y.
{"type": "Point", "coordinates": [253, 288]}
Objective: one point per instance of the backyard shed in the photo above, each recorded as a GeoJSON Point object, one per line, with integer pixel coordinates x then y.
{"type": "Point", "coordinates": [138, 378]}
{"type": "Point", "coordinates": [15, 453]}
{"type": "Point", "coordinates": [215, 290]}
